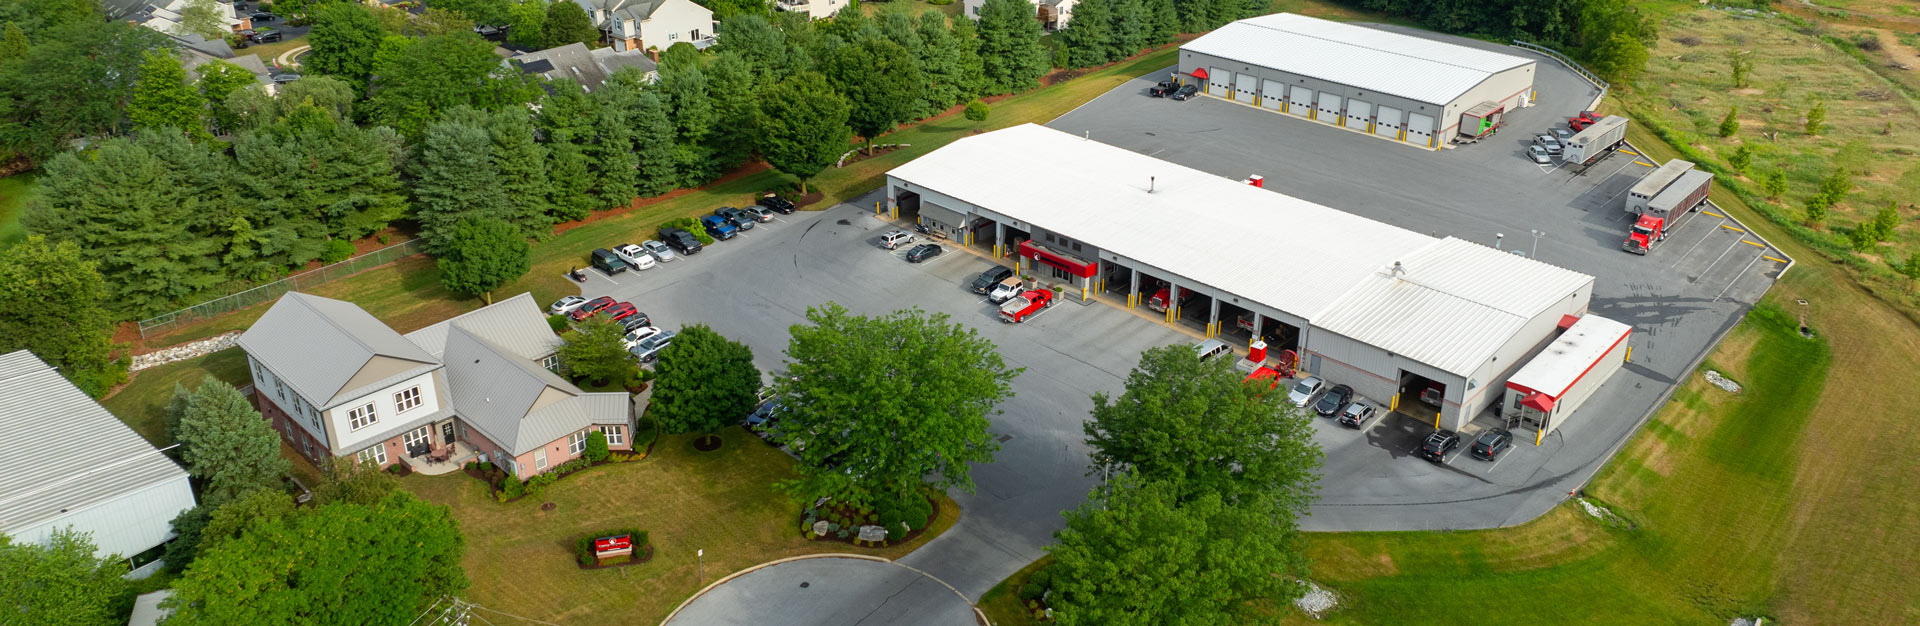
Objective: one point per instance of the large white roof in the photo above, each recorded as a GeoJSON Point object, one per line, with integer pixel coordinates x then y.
{"type": "Point", "coordinates": [1411, 67]}
{"type": "Point", "coordinates": [1570, 356]}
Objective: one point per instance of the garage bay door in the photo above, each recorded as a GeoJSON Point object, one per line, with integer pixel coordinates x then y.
{"type": "Point", "coordinates": [1357, 113]}
{"type": "Point", "coordinates": [1420, 129]}
{"type": "Point", "coordinates": [1244, 88]}
{"type": "Point", "coordinates": [1300, 101]}
{"type": "Point", "coordinates": [1387, 122]}
{"type": "Point", "coordinates": [1219, 82]}
{"type": "Point", "coordinates": [1329, 107]}
{"type": "Point", "coordinates": [1272, 94]}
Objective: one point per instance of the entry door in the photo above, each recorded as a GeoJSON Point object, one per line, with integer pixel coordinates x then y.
{"type": "Point", "coordinates": [1273, 94]}
{"type": "Point", "coordinates": [1245, 88]}
{"type": "Point", "coordinates": [1329, 107]}
{"type": "Point", "coordinates": [446, 431]}
{"type": "Point", "coordinates": [1300, 101]}
{"type": "Point", "coordinates": [1357, 113]}
{"type": "Point", "coordinates": [1420, 129]}
{"type": "Point", "coordinates": [1219, 81]}
{"type": "Point", "coordinates": [1387, 122]}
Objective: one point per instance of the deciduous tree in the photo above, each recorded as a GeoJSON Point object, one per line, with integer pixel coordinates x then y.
{"type": "Point", "coordinates": [345, 37]}
{"type": "Point", "coordinates": [202, 17]}
{"type": "Point", "coordinates": [49, 304]}
{"type": "Point", "coordinates": [482, 12]}
{"type": "Point", "coordinates": [803, 126]}
{"type": "Point", "coordinates": [227, 444]}
{"type": "Point", "coordinates": [593, 351]}
{"type": "Point", "coordinates": [881, 82]}
{"type": "Point", "coordinates": [1817, 117]}
{"type": "Point", "coordinates": [438, 73]}
{"type": "Point", "coordinates": [218, 80]}
{"type": "Point", "coordinates": [568, 23]}
{"type": "Point", "coordinates": [61, 582]}
{"type": "Point", "coordinates": [529, 28]}
{"type": "Point", "coordinates": [482, 256]}
{"type": "Point", "coordinates": [703, 382]}
{"type": "Point", "coordinates": [47, 107]}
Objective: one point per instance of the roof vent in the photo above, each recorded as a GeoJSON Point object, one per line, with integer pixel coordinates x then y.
{"type": "Point", "coordinates": [1398, 269]}
{"type": "Point", "coordinates": [1150, 181]}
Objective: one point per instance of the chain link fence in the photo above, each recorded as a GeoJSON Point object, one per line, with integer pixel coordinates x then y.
{"type": "Point", "coordinates": [160, 324]}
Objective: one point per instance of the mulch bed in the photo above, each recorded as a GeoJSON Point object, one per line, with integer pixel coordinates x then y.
{"type": "Point", "coordinates": [637, 559]}
{"type": "Point", "coordinates": [492, 477]}
{"type": "Point", "coordinates": [701, 443]}
{"type": "Point", "coordinates": [738, 173]}
{"type": "Point", "coordinates": [854, 535]}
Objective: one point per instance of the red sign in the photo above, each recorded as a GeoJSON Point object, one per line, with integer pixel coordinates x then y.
{"type": "Point", "coordinates": [609, 544]}
{"type": "Point", "coordinates": [1072, 266]}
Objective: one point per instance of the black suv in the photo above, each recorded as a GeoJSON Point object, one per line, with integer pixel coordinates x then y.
{"type": "Point", "coordinates": [780, 205]}
{"type": "Point", "coordinates": [605, 260]}
{"type": "Point", "coordinates": [1438, 445]}
{"type": "Point", "coordinates": [1161, 90]}
{"type": "Point", "coordinates": [1491, 444]}
{"type": "Point", "coordinates": [1335, 399]}
{"type": "Point", "coordinates": [680, 240]}
{"type": "Point", "coordinates": [637, 320]}
{"type": "Point", "coordinates": [268, 36]}
{"type": "Point", "coordinates": [991, 277]}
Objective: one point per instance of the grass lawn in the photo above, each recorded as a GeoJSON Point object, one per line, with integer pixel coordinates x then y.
{"type": "Point", "coordinates": [267, 51]}
{"type": "Point", "coordinates": [1002, 602]}
{"type": "Point", "coordinates": [142, 402]}
{"type": "Point", "coordinates": [520, 558]}
{"type": "Point", "coordinates": [912, 7]}
{"type": "Point", "coordinates": [15, 190]}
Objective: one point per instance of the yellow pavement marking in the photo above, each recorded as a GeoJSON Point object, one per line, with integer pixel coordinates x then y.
{"type": "Point", "coordinates": [1715, 214]}
{"type": "Point", "coordinates": [1732, 228]}
{"type": "Point", "coordinates": [1752, 244]}
{"type": "Point", "coordinates": [1629, 152]}
{"type": "Point", "coordinates": [1774, 259]}
{"type": "Point", "coordinates": [1639, 162]}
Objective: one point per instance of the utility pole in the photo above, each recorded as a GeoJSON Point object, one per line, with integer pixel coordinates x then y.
{"type": "Point", "coordinates": [1537, 234]}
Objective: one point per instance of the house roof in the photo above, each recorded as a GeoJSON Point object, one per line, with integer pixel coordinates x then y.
{"type": "Point", "coordinates": [321, 345]}
{"type": "Point", "coordinates": [590, 68]}
{"type": "Point", "coordinates": [1375, 60]}
{"type": "Point", "coordinates": [635, 10]}
{"type": "Point", "coordinates": [515, 324]}
{"type": "Point", "coordinates": [515, 402]}
{"type": "Point", "coordinates": [61, 451]}
{"type": "Point", "coordinates": [192, 59]}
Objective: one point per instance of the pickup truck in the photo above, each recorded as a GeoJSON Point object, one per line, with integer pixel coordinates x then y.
{"type": "Point", "coordinates": [1026, 306]}
{"type": "Point", "coordinates": [1647, 231]}
{"type": "Point", "coordinates": [718, 227]}
{"type": "Point", "coordinates": [1164, 89]}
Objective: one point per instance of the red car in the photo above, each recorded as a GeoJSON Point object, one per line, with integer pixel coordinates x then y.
{"type": "Point", "coordinates": [620, 311]}
{"type": "Point", "coordinates": [591, 307]}
{"type": "Point", "coordinates": [1579, 123]}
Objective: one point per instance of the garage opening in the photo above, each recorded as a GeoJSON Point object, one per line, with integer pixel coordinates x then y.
{"type": "Point", "coordinates": [942, 221]}
{"type": "Point", "coordinates": [983, 237]}
{"type": "Point", "coordinates": [909, 204]}
{"type": "Point", "coordinates": [1280, 336]}
{"type": "Point", "coordinates": [1421, 398]}
{"type": "Point", "coordinates": [1115, 282]}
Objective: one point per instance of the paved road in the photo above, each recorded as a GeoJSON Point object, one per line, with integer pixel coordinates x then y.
{"type": "Point", "coordinates": [830, 591]}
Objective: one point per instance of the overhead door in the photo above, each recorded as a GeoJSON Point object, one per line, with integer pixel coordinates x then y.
{"type": "Point", "coordinates": [1246, 88]}
{"type": "Point", "coordinates": [1272, 94]}
{"type": "Point", "coordinates": [1328, 106]}
{"type": "Point", "coordinates": [1300, 101]}
{"type": "Point", "coordinates": [1219, 81]}
{"type": "Point", "coordinates": [1357, 113]}
{"type": "Point", "coordinates": [1386, 123]}
{"type": "Point", "coordinates": [1420, 129]}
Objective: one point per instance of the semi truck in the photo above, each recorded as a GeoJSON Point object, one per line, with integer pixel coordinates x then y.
{"type": "Point", "coordinates": [1686, 193]}
{"type": "Point", "coordinates": [1159, 301]}
{"type": "Point", "coordinates": [1653, 183]}
{"type": "Point", "coordinates": [1595, 141]}
{"type": "Point", "coordinates": [1026, 306]}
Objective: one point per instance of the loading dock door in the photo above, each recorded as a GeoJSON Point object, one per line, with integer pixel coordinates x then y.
{"type": "Point", "coordinates": [1420, 129]}
{"type": "Point", "coordinates": [1357, 113]}
{"type": "Point", "coordinates": [1387, 122]}
{"type": "Point", "coordinates": [1219, 82]}
{"type": "Point", "coordinates": [1300, 101]}
{"type": "Point", "coordinates": [1329, 107]}
{"type": "Point", "coordinates": [1272, 94]}
{"type": "Point", "coordinates": [1245, 87]}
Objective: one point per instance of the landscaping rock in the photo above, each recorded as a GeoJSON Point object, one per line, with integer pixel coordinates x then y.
{"type": "Point", "coordinates": [873, 533]}
{"type": "Point", "coordinates": [1317, 602]}
{"type": "Point", "coordinates": [185, 351]}
{"type": "Point", "coordinates": [1722, 382]}
{"type": "Point", "coordinates": [822, 527]}
{"type": "Point", "coordinates": [1741, 621]}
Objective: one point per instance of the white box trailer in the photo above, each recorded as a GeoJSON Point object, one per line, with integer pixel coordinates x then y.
{"type": "Point", "coordinates": [1549, 388]}
{"type": "Point", "coordinates": [1653, 183]}
{"type": "Point", "coordinates": [1587, 146]}
{"type": "Point", "coordinates": [1684, 194]}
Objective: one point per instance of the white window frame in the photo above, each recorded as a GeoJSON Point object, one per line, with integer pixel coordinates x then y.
{"type": "Point", "coordinates": [368, 412]}
{"type": "Point", "coordinates": [616, 435]}
{"type": "Point", "coordinates": [577, 442]}
{"type": "Point", "coordinates": [407, 399]}
{"type": "Point", "coordinates": [378, 456]}
{"type": "Point", "coordinates": [673, 36]}
{"type": "Point", "coordinates": [551, 362]}
{"type": "Point", "coordinates": [540, 460]}
{"type": "Point", "coordinates": [280, 389]}
{"type": "Point", "coordinates": [423, 434]}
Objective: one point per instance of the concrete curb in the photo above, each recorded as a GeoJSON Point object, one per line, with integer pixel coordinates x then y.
{"type": "Point", "coordinates": [978, 615]}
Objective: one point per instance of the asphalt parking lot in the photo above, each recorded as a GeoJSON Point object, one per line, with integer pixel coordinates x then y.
{"type": "Point", "coordinates": [1678, 298]}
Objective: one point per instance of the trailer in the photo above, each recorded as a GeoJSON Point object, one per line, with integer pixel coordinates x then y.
{"type": "Point", "coordinates": [1589, 145]}
{"type": "Point", "coordinates": [1685, 194]}
{"type": "Point", "coordinates": [1653, 183]}
{"type": "Point", "coordinates": [1482, 120]}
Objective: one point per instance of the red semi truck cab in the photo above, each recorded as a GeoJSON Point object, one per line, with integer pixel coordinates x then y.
{"type": "Point", "coordinates": [1646, 232]}
{"type": "Point", "coordinates": [1019, 309]}
{"type": "Point", "coordinates": [1159, 300]}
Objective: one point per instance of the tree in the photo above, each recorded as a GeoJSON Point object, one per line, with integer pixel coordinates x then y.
{"type": "Point", "coordinates": [455, 181]}
{"type": "Point", "coordinates": [433, 21]}
{"type": "Point", "coordinates": [881, 82]}
{"type": "Point", "coordinates": [482, 12]}
{"type": "Point", "coordinates": [689, 108]}
{"type": "Point", "coordinates": [572, 197]}
{"type": "Point", "coordinates": [949, 67]}
{"type": "Point", "coordinates": [47, 108]}
{"type": "Point", "coordinates": [13, 44]}
{"type": "Point", "coordinates": [441, 72]}
{"type": "Point", "coordinates": [567, 23]}
{"type": "Point", "coordinates": [340, 563]}
{"type": "Point", "coordinates": [1741, 64]}
{"type": "Point", "coordinates": [677, 57]}
{"type": "Point", "coordinates": [1741, 158]}
{"type": "Point", "coordinates": [218, 81]}
{"type": "Point", "coordinates": [1730, 125]}
{"type": "Point", "coordinates": [731, 85]}
{"type": "Point", "coordinates": [1817, 117]}
{"type": "Point", "coordinates": [483, 255]}
{"type": "Point", "coordinates": [761, 44]}
{"type": "Point", "coordinates": [345, 36]}
{"type": "Point", "coordinates": [49, 293]}
{"type": "Point", "coordinates": [901, 420]}
{"type": "Point", "coordinates": [227, 444]}
{"type": "Point", "coordinates": [596, 447]}
{"type": "Point", "coordinates": [703, 383]}
{"type": "Point", "coordinates": [977, 112]}
{"type": "Point", "coordinates": [1011, 55]}
{"type": "Point", "coordinates": [1620, 57]}
{"type": "Point", "coordinates": [654, 155]}
{"type": "Point", "coordinates": [1132, 28]}
{"type": "Point", "coordinates": [1164, 20]}
{"type": "Point", "coordinates": [1836, 185]}
{"type": "Point", "coordinates": [1089, 37]}
{"type": "Point", "coordinates": [1136, 553]}
{"type": "Point", "coordinates": [529, 27]}
{"type": "Point", "coordinates": [616, 168]}
{"type": "Point", "coordinates": [307, 178]}
{"type": "Point", "coordinates": [521, 161]}
{"type": "Point", "coordinates": [1774, 183]}
{"type": "Point", "coordinates": [803, 125]}
{"type": "Point", "coordinates": [61, 582]}
{"type": "Point", "coordinates": [594, 351]}
{"type": "Point", "coordinates": [203, 527]}
{"type": "Point", "coordinates": [163, 99]}
{"type": "Point", "coordinates": [202, 17]}
{"type": "Point", "coordinates": [1817, 207]}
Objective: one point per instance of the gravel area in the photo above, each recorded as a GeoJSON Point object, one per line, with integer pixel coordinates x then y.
{"type": "Point", "coordinates": [1317, 602]}
{"type": "Point", "coordinates": [1722, 382]}
{"type": "Point", "coordinates": [185, 351]}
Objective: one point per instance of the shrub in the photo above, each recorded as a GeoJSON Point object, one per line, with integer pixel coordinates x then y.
{"type": "Point", "coordinates": [500, 496]}
{"type": "Point", "coordinates": [596, 446]}
{"type": "Point", "coordinates": [485, 466]}
{"type": "Point", "coordinates": [470, 465]}
{"type": "Point", "coordinates": [539, 483]}
{"type": "Point", "coordinates": [511, 487]}
{"type": "Point", "coordinates": [384, 238]}
{"type": "Point", "coordinates": [977, 111]}
{"type": "Point", "coordinates": [337, 250]}
{"type": "Point", "coordinates": [96, 382]}
{"type": "Point", "coordinates": [1741, 158]}
{"type": "Point", "coordinates": [558, 323]}
{"type": "Point", "coordinates": [692, 226]}
{"type": "Point", "coordinates": [843, 533]}
{"type": "Point", "coordinates": [1730, 125]}
{"type": "Point", "coordinates": [1774, 183]}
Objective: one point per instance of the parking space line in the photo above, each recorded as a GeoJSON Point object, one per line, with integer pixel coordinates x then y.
{"type": "Point", "coordinates": [1751, 243]}
{"type": "Point", "coordinates": [1643, 163]}
{"type": "Point", "coordinates": [1716, 260]}
{"type": "Point", "coordinates": [1773, 258]}
{"type": "Point", "coordinates": [1696, 244]}
{"type": "Point", "coordinates": [1498, 461]}
{"type": "Point", "coordinates": [1714, 214]}
{"type": "Point", "coordinates": [1737, 230]}
{"type": "Point", "coordinates": [1629, 152]}
{"type": "Point", "coordinates": [1737, 277]}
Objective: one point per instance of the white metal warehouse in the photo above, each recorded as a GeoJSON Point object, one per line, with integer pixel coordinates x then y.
{"type": "Point", "coordinates": [1364, 303]}
{"type": "Point", "coordinates": [1396, 86]}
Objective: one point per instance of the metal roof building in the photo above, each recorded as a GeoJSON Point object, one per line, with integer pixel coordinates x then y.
{"type": "Point", "coordinates": [1367, 303]}
{"type": "Point", "coordinates": [66, 462]}
{"type": "Point", "coordinates": [1557, 381]}
{"type": "Point", "coordinates": [1402, 87]}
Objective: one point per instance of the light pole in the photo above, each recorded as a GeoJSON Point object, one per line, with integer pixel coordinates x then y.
{"type": "Point", "coordinates": [1537, 234]}
{"type": "Point", "coordinates": [1496, 239]}
{"type": "Point", "coordinates": [702, 554]}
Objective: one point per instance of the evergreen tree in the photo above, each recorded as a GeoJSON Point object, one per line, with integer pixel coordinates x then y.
{"type": "Point", "coordinates": [1817, 117]}
{"type": "Point", "coordinates": [803, 126]}
{"type": "Point", "coordinates": [1089, 37]}
{"type": "Point", "coordinates": [615, 166]}
{"type": "Point", "coordinates": [1730, 125]}
{"type": "Point", "coordinates": [567, 113]}
{"type": "Point", "coordinates": [227, 445]}
{"type": "Point", "coordinates": [344, 38]}
{"type": "Point", "coordinates": [679, 56]}
{"type": "Point", "coordinates": [654, 154]}
{"type": "Point", "coordinates": [730, 83]}
{"type": "Point", "coordinates": [1165, 21]}
{"type": "Point", "coordinates": [881, 82]}
{"type": "Point", "coordinates": [760, 44]}
{"type": "Point", "coordinates": [941, 60]}
{"type": "Point", "coordinates": [528, 29]}
{"type": "Point", "coordinates": [1132, 28]}
{"type": "Point", "coordinates": [1011, 55]}
{"type": "Point", "coordinates": [573, 181]}
{"type": "Point", "coordinates": [312, 177]}
{"type": "Point", "coordinates": [568, 23]}
{"type": "Point", "coordinates": [13, 44]}
{"type": "Point", "coordinates": [690, 107]}
{"type": "Point", "coordinates": [522, 162]}
{"type": "Point", "coordinates": [973, 72]}
{"type": "Point", "coordinates": [454, 181]}
{"type": "Point", "coordinates": [163, 99]}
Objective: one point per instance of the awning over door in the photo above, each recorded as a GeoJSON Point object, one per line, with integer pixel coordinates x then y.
{"type": "Point", "coordinates": [1539, 402]}
{"type": "Point", "coordinates": [1072, 265]}
{"type": "Point", "coordinates": [1200, 72]}
{"type": "Point", "coordinates": [940, 215]}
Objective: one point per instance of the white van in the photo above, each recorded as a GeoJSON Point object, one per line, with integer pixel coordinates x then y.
{"type": "Point", "coordinates": [1212, 348]}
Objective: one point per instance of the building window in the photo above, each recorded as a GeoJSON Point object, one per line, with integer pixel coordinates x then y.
{"type": "Point", "coordinates": [406, 400]}
{"type": "Point", "coordinates": [416, 439]}
{"type": "Point", "coordinates": [280, 389]}
{"type": "Point", "coordinates": [376, 455]}
{"type": "Point", "coordinates": [616, 435]}
{"type": "Point", "coordinates": [577, 442]}
{"type": "Point", "coordinates": [361, 417]}
{"type": "Point", "coordinates": [552, 362]}
{"type": "Point", "coordinates": [540, 460]}
{"type": "Point", "coordinates": [1076, 246]}
{"type": "Point", "coordinates": [673, 36]}
{"type": "Point", "coordinates": [1061, 274]}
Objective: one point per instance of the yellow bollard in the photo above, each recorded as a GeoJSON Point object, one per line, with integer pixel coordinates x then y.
{"type": "Point", "coordinates": [1394, 404]}
{"type": "Point", "coordinates": [1629, 358]}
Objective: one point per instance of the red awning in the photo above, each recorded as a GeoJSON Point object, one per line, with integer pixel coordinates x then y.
{"type": "Point", "coordinates": [1073, 266]}
{"type": "Point", "coordinates": [1200, 72]}
{"type": "Point", "coordinates": [1539, 401]}
{"type": "Point", "coordinates": [1567, 321]}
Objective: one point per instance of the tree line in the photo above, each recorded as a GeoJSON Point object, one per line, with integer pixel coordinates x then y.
{"type": "Point", "coordinates": [1104, 31]}
{"type": "Point", "coordinates": [1610, 36]}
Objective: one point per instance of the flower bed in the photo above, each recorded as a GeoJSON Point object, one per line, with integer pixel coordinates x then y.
{"type": "Point", "coordinates": [504, 488]}
{"type": "Point", "coordinates": [903, 520]}
{"type": "Point", "coordinates": [586, 556]}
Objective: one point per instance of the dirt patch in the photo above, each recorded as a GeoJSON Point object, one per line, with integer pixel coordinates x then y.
{"type": "Point", "coordinates": [739, 173]}
{"type": "Point", "coordinates": [1655, 456]}
{"type": "Point", "coordinates": [708, 443]}
{"type": "Point", "coordinates": [1749, 91]}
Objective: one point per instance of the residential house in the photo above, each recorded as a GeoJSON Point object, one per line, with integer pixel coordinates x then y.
{"type": "Point", "coordinates": [815, 9]}
{"type": "Point", "coordinates": [192, 60]}
{"type": "Point", "coordinates": [338, 383]}
{"type": "Point", "coordinates": [165, 16]}
{"type": "Point", "coordinates": [1053, 14]}
{"type": "Point", "coordinates": [65, 462]}
{"type": "Point", "coordinates": [590, 68]}
{"type": "Point", "coordinates": [650, 24]}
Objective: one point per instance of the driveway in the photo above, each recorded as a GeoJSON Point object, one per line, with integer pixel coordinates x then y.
{"type": "Point", "coordinates": [828, 591]}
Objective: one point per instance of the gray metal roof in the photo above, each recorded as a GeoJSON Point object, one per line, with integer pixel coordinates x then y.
{"type": "Point", "coordinates": [515, 402]}
{"type": "Point", "coordinates": [60, 451]}
{"type": "Point", "coordinates": [590, 68]}
{"type": "Point", "coordinates": [1658, 179]}
{"type": "Point", "coordinates": [515, 324]}
{"type": "Point", "coordinates": [1374, 60]}
{"type": "Point", "coordinates": [317, 345]}
{"type": "Point", "coordinates": [623, 9]}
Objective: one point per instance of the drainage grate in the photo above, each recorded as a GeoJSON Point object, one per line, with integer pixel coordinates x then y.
{"type": "Point", "coordinates": [1006, 438]}
{"type": "Point", "coordinates": [843, 222]}
{"type": "Point", "coordinates": [803, 584]}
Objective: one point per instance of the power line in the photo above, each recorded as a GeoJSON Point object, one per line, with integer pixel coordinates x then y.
{"type": "Point", "coordinates": [529, 619]}
{"type": "Point", "coordinates": [430, 608]}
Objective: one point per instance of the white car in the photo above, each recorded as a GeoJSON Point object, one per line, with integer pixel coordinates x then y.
{"type": "Point", "coordinates": [1539, 154]}
{"type": "Point", "coordinates": [634, 336]}
{"type": "Point", "coordinates": [635, 256]}
{"type": "Point", "coordinates": [565, 305]}
{"type": "Point", "coordinates": [1306, 390]}
{"type": "Point", "coordinates": [896, 239]}
{"type": "Point", "coordinates": [658, 250]}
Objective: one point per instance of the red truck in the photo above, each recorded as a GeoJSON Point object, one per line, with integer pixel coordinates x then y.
{"type": "Point", "coordinates": [1026, 306]}
{"type": "Point", "coordinates": [1684, 195]}
{"type": "Point", "coordinates": [1159, 300]}
{"type": "Point", "coordinates": [1648, 230]}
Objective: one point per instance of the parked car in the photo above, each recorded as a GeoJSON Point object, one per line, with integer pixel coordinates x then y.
{"type": "Point", "coordinates": [565, 305]}
{"type": "Point", "coordinates": [718, 227]}
{"type": "Point", "coordinates": [763, 415]}
{"type": "Point", "coordinates": [1357, 415]}
{"type": "Point", "coordinates": [1006, 289]}
{"type": "Point", "coordinates": [1210, 348]}
{"type": "Point", "coordinates": [778, 204]}
{"type": "Point", "coordinates": [1333, 401]}
{"type": "Point", "coordinates": [1185, 92]}
{"type": "Point", "coordinates": [1563, 134]}
{"type": "Point", "coordinates": [636, 320]}
{"type": "Point", "coordinates": [759, 213]}
{"type": "Point", "coordinates": [1547, 140]}
{"type": "Point", "coordinates": [894, 239]}
{"type": "Point", "coordinates": [649, 349]}
{"type": "Point", "coordinates": [1491, 444]}
{"type": "Point", "coordinates": [284, 78]}
{"type": "Point", "coordinates": [620, 311]}
{"type": "Point", "coordinates": [681, 240]}
{"type": "Point", "coordinates": [660, 251]}
{"type": "Point", "coordinates": [1163, 88]}
{"type": "Point", "coordinates": [1306, 390]}
{"type": "Point", "coordinates": [987, 279]}
{"type": "Point", "coordinates": [268, 36]}
{"type": "Point", "coordinates": [636, 335]}
{"type": "Point", "coordinates": [584, 311]}
{"type": "Point", "coordinates": [1437, 445]}
{"type": "Point", "coordinates": [261, 16]}
{"type": "Point", "coordinates": [1539, 154]}
{"type": "Point", "coordinates": [923, 252]}
{"type": "Point", "coordinates": [635, 256]}
{"type": "Point", "coordinates": [606, 261]}
{"type": "Point", "coordinates": [740, 219]}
